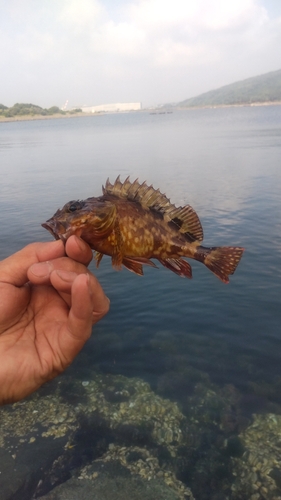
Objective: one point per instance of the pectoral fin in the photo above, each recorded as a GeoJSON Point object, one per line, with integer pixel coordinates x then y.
{"type": "Point", "coordinates": [117, 255]}
{"type": "Point", "coordinates": [98, 256]}
{"type": "Point", "coordinates": [117, 259]}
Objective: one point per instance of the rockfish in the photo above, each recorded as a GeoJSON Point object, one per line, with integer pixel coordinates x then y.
{"type": "Point", "coordinates": [134, 223]}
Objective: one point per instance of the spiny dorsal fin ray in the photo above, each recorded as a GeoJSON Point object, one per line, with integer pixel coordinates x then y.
{"type": "Point", "coordinates": [187, 221]}
{"type": "Point", "coordinates": [185, 218]}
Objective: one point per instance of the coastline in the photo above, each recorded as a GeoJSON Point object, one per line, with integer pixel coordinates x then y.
{"type": "Point", "coordinates": [4, 119]}
{"type": "Point", "coordinates": [18, 118]}
{"type": "Point", "coordinates": [242, 105]}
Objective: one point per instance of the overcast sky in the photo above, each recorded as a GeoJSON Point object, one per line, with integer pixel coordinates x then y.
{"type": "Point", "coordinates": [154, 51]}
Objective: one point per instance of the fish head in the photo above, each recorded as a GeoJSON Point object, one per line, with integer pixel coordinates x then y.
{"type": "Point", "coordinates": [86, 219]}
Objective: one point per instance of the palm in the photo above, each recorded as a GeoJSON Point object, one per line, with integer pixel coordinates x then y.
{"type": "Point", "coordinates": [32, 348]}
{"type": "Point", "coordinates": [45, 319]}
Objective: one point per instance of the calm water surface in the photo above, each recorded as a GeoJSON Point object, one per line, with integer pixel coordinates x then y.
{"type": "Point", "coordinates": [223, 162]}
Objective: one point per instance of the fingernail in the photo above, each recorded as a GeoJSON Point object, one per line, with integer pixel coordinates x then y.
{"type": "Point", "coordinates": [41, 269]}
{"type": "Point", "coordinates": [67, 276]}
{"type": "Point", "coordinates": [80, 243]}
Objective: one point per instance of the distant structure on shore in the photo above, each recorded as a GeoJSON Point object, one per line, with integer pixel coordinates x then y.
{"type": "Point", "coordinates": [112, 108]}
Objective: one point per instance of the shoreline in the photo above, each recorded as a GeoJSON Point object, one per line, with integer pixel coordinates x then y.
{"type": "Point", "coordinates": [4, 119]}
{"type": "Point", "coordinates": [242, 105]}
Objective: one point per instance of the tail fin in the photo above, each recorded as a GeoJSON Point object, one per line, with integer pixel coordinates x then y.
{"type": "Point", "coordinates": [222, 261]}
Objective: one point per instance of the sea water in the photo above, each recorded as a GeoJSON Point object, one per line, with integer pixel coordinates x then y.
{"type": "Point", "coordinates": [170, 332]}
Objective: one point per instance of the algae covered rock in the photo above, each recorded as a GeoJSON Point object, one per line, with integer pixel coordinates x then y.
{"type": "Point", "coordinates": [258, 471]}
{"type": "Point", "coordinates": [64, 433]}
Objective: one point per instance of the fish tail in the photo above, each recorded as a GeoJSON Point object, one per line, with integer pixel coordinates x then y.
{"type": "Point", "coordinates": [222, 261]}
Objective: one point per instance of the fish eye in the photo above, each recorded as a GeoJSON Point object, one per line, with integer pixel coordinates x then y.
{"type": "Point", "coordinates": [74, 206]}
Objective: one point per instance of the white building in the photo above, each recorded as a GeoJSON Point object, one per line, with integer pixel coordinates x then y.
{"type": "Point", "coordinates": [112, 108]}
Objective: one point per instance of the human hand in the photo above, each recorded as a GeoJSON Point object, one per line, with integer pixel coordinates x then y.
{"type": "Point", "coordinates": [48, 304]}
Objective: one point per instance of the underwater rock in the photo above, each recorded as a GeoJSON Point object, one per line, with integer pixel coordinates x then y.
{"type": "Point", "coordinates": [112, 483]}
{"type": "Point", "coordinates": [12, 476]}
{"type": "Point", "coordinates": [258, 470]}
{"type": "Point", "coordinates": [115, 418]}
{"type": "Point", "coordinates": [234, 447]}
{"type": "Point", "coordinates": [67, 434]}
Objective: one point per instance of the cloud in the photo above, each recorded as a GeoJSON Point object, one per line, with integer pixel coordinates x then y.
{"type": "Point", "coordinates": [81, 15]}
{"type": "Point", "coordinates": [191, 16]}
{"type": "Point", "coordinates": [149, 50]}
{"type": "Point", "coordinates": [38, 46]}
{"type": "Point", "coordinates": [123, 39]}
{"type": "Point", "coordinates": [185, 32]}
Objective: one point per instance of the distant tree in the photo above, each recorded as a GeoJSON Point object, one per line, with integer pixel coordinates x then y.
{"type": "Point", "coordinates": [8, 113]}
{"type": "Point", "coordinates": [53, 110]}
{"type": "Point", "coordinates": [22, 109]}
{"type": "Point", "coordinates": [26, 109]}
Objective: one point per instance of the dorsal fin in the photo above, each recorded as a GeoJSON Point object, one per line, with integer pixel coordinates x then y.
{"type": "Point", "coordinates": [185, 218]}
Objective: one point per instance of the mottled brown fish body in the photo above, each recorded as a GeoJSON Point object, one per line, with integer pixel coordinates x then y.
{"type": "Point", "coordinates": [134, 223]}
{"type": "Point", "coordinates": [141, 232]}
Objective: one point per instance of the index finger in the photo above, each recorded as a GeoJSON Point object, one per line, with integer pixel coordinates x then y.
{"type": "Point", "coordinates": [13, 270]}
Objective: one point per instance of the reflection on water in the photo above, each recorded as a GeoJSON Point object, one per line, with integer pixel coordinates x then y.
{"type": "Point", "coordinates": [180, 383]}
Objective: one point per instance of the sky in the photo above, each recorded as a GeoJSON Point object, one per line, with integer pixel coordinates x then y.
{"type": "Point", "coordinates": [91, 52]}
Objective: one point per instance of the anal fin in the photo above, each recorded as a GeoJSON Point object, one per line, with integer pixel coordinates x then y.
{"type": "Point", "coordinates": [135, 264]}
{"type": "Point", "coordinates": [178, 266]}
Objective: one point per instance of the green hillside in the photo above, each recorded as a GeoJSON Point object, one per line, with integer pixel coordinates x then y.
{"type": "Point", "coordinates": [259, 89]}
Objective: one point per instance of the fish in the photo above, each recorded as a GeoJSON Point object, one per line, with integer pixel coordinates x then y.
{"type": "Point", "coordinates": [133, 223]}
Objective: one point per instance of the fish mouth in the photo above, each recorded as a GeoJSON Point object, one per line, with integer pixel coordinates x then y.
{"type": "Point", "coordinates": [56, 229]}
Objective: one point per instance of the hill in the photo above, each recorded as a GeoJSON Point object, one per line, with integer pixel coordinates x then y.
{"type": "Point", "coordinates": [258, 89]}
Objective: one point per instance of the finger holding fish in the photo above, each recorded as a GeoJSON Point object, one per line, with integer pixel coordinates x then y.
{"type": "Point", "coordinates": [78, 250]}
